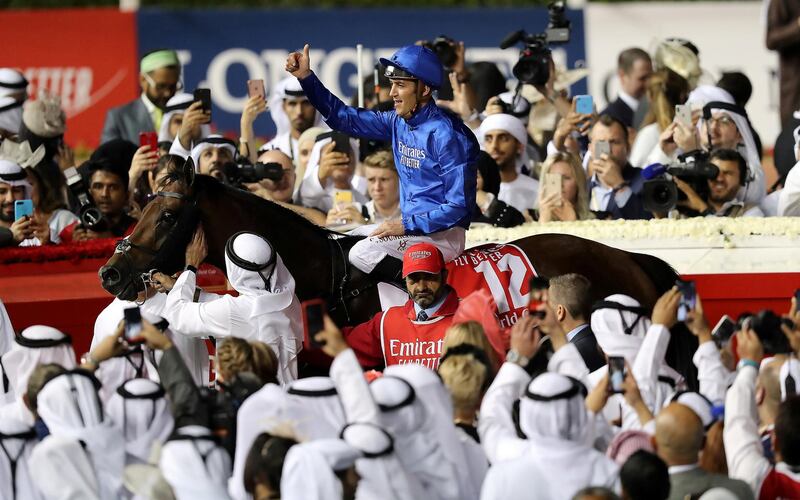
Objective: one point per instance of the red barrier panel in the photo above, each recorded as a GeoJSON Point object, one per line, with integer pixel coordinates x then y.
{"type": "Point", "coordinates": [66, 294]}
{"type": "Point", "coordinates": [87, 56]}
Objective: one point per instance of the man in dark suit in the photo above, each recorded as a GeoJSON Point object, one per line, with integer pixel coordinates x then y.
{"type": "Point", "coordinates": [678, 440]}
{"type": "Point", "coordinates": [634, 69]}
{"type": "Point", "coordinates": [159, 78]}
{"type": "Point", "coordinates": [568, 298]}
{"type": "Point", "coordinates": [615, 186]}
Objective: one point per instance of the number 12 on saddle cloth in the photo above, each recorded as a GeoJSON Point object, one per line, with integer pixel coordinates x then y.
{"type": "Point", "coordinates": [503, 270]}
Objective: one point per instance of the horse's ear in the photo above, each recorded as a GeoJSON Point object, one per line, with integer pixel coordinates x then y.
{"type": "Point", "coordinates": [188, 172]}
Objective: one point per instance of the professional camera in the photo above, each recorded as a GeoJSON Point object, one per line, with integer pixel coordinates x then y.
{"type": "Point", "coordinates": [90, 216]}
{"type": "Point", "coordinates": [533, 66]}
{"type": "Point", "coordinates": [238, 173]}
{"type": "Point", "coordinates": [223, 405]}
{"type": "Point", "coordinates": [660, 194]}
{"type": "Point", "coordinates": [445, 49]}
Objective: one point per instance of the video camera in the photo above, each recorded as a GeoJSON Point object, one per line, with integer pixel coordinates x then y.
{"type": "Point", "coordinates": [533, 66]}
{"type": "Point", "coordinates": [90, 216]}
{"type": "Point", "coordinates": [242, 171]}
{"type": "Point", "coordinates": [660, 194]}
{"type": "Point", "coordinates": [445, 49]}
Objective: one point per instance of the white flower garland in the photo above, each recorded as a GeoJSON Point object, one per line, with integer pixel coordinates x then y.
{"type": "Point", "coordinates": [698, 232]}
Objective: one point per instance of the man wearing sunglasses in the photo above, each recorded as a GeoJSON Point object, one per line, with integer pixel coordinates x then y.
{"type": "Point", "coordinates": [159, 78]}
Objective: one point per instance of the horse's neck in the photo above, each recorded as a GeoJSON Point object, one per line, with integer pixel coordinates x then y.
{"type": "Point", "coordinates": [304, 249]}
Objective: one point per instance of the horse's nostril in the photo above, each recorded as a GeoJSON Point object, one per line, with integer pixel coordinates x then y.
{"type": "Point", "coordinates": [110, 275]}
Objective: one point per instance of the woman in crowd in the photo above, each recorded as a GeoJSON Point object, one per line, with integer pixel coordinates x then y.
{"type": "Point", "coordinates": [50, 215]}
{"type": "Point", "coordinates": [572, 203]}
{"type": "Point", "coordinates": [665, 90]}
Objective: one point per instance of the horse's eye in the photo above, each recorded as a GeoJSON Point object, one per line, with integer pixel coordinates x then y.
{"type": "Point", "coordinates": [167, 218]}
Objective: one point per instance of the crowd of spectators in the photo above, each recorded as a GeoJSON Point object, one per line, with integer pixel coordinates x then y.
{"type": "Point", "coordinates": [331, 178]}
{"type": "Point", "coordinates": [420, 401]}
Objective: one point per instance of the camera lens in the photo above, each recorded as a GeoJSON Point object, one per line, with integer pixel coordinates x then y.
{"type": "Point", "coordinates": [659, 195]}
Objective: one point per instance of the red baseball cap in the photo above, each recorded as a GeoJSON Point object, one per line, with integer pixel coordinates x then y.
{"type": "Point", "coordinates": [422, 258]}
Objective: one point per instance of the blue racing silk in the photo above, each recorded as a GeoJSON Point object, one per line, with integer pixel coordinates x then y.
{"type": "Point", "coordinates": [434, 152]}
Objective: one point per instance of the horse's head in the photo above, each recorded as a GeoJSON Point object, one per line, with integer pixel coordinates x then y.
{"type": "Point", "coordinates": [159, 239]}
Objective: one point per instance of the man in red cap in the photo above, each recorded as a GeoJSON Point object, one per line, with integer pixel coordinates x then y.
{"type": "Point", "coordinates": [413, 332]}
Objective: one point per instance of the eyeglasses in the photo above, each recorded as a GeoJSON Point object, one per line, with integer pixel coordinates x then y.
{"type": "Point", "coordinates": [722, 121]}
{"type": "Point", "coordinates": [160, 87]}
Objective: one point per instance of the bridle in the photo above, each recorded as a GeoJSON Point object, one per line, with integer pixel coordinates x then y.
{"type": "Point", "coordinates": [159, 255]}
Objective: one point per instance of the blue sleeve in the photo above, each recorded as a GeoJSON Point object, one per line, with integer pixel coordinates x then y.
{"type": "Point", "coordinates": [339, 116]}
{"type": "Point", "coordinates": [460, 178]}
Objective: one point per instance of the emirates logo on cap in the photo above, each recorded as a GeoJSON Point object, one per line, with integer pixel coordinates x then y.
{"type": "Point", "coordinates": [420, 254]}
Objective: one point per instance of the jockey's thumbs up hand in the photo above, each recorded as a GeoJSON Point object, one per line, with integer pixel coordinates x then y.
{"type": "Point", "coordinates": [299, 65]}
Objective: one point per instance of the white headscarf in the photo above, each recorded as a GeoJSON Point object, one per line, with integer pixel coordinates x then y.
{"type": "Point", "coordinates": [142, 415]}
{"type": "Point", "coordinates": [609, 327]}
{"type": "Point", "coordinates": [308, 471]}
{"type": "Point", "coordinates": [213, 140]}
{"type": "Point", "coordinates": [315, 408]}
{"type": "Point", "coordinates": [553, 408]}
{"type": "Point", "coordinates": [14, 175]}
{"type": "Point", "coordinates": [382, 474]}
{"type": "Point", "coordinates": [755, 189]}
{"type": "Point", "coordinates": [17, 440]}
{"type": "Point", "coordinates": [194, 465]}
{"type": "Point", "coordinates": [11, 82]}
{"type": "Point", "coordinates": [705, 94]}
{"type": "Point", "coordinates": [10, 114]}
{"type": "Point", "coordinates": [6, 334]}
{"type": "Point", "coordinates": [513, 126]}
{"type": "Point", "coordinates": [699, 404]}
{"type": "Point", "coordinates": [36, 345]}
{"type": "Point", "coordinates": [438, 405]}
{"type": "Point", "coordinates": [61, 469]}
{"type": "Point", "coordinates": [255, 249]}
{"type": "Point", "coordinates": [289, 88]}
{"type": "Point", "coordinates": [178, 104]}
{"type": "Point", "coordinates": [70, 407]}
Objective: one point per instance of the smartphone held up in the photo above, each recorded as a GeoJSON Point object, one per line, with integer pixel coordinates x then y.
{"type": "Point", "coordinates": [133, 325]}
{"type": "Point", "coordinates": [313, 320]}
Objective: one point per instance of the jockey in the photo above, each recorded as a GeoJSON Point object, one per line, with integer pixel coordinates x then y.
{"type": "Point", "coordinates": [435, 155]}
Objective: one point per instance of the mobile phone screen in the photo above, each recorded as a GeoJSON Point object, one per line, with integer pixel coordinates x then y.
{"type": "Point", "coordinates": [584, 104]}
{"type": "Point", "coordinates": [616, 374]}
{"type": "Point", "coordinates": [601, 148]}
{"type": "Point", "coordinates": [723, 329]}
{"type": "Point", "coordinates": [256, 88]}
{"type": "Point", "coordinates": [313, 313]}
{"type": "Point", "coordinates": [797, 297]}
{"type": "Point", "coordinates": [149, 139]}
{"type": "Point", "coordinates": [204, 96]}
{"type": "Point", "coordinates": [552, 185]}
{"type": "Point", "coordinates": [133, 325]}
{"type": "Point", "coordinates": [22, 208]}
{"type": "Point", "coordinates": [683, 114]}
{"type": "Point", "coordinates": [688, 298]}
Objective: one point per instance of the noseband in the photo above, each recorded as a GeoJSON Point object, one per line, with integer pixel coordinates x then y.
{"type": "Point", "coordinates": [125, 245]}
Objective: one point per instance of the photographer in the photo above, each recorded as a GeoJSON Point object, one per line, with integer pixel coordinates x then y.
{"type": "Point", "coordinates": [108, 188]}
{"type": "Point", "coordinates": [721, 200]}
{"type": "Point", "coordinates": [281, 191]}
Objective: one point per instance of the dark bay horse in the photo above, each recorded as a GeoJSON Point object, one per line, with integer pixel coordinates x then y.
{"type": "Point", "coordinates": [317, 257]}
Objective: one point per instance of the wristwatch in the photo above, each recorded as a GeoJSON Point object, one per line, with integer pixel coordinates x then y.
{"type": "Point", "coordinates": [515, 357]}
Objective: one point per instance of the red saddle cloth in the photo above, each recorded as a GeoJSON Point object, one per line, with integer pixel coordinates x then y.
{"type": "Point", "coordinates": [500, 270]}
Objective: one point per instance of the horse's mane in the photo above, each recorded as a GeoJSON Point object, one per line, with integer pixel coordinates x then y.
{"type": "Point", "coordinates": [215, 189]}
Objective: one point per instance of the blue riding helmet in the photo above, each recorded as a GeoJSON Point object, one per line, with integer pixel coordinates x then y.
{"type": "Point", "coordinates": [414, 61]}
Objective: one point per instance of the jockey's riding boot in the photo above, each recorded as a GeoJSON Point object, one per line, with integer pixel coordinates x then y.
{"type": "Point", "coordinates": [389, 270]}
